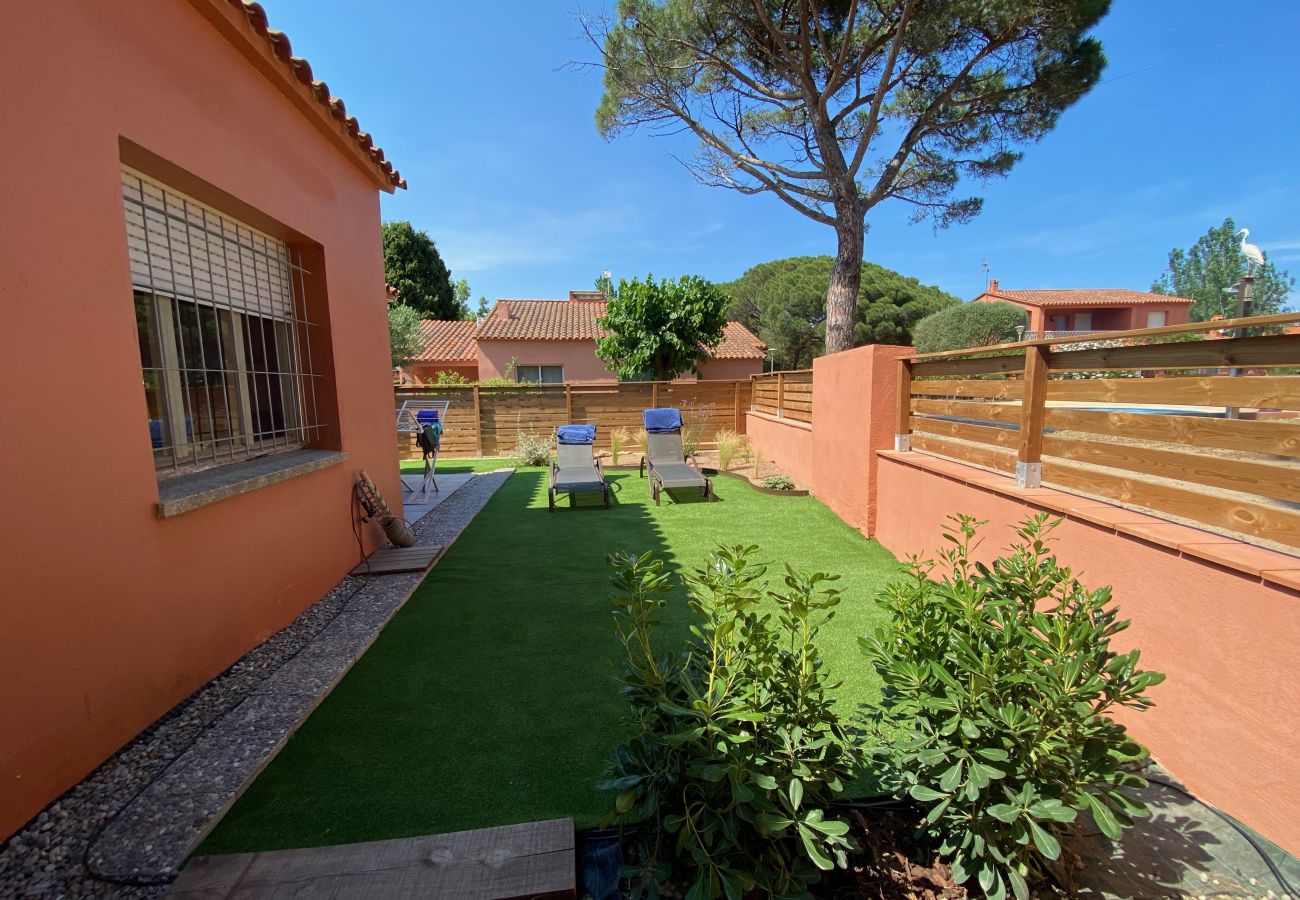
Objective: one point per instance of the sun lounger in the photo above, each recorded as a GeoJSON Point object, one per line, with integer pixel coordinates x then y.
{"type": "Point", "coordinates": [666, 459]}
{"type": "Point", "coordinates": [575, 469]}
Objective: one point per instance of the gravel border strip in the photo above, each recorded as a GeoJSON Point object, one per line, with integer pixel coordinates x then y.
{"type": "Point", "coordinates": [137, 816]}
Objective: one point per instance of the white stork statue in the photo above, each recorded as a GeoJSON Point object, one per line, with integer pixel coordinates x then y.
{"type": "Point", "coordinates": [1252, 252]}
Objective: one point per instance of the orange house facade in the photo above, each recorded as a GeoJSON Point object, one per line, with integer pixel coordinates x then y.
{"type": "Point", "coordinates": [1065, 312]}
{"type": "Point", "coordinates": [553, 341]}
{"type": "Point", "coordinates": [191, 216]}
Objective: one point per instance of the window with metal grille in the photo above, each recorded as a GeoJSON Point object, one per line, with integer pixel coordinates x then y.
{"type": "Point", "coordinates": [540, 374]}
{"type": "Point", "coordinates": [220, 310]}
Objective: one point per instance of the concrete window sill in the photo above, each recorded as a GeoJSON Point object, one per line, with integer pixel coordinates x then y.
{"type": "Point", "coordinates": [1268, 566]}
{"type": "Point", "coordinates": [190, 492]}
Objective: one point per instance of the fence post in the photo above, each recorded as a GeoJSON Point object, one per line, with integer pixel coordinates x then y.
{"type": "Point", "coordinates": [654, 395]}
{"type": "Point", "coordinates": [1029, 456]}
{"type": "Point", "coordinates": [780, 395]}
{"type": "Point", "coordinates": [478, 424]}
{"type": "Point", "coordinates": [903, 407]}
{"type": "Point", "coordinates": [568, 403]}
{"type": "Point", "coordinates": [735, 387]}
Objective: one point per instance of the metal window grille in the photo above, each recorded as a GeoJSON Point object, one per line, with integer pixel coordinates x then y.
{"type": "Point", "coordinates": [223, 327]}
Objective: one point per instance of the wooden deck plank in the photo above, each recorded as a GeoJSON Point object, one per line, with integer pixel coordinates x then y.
{"type": "Point", "coordinates": [511, 861]}
{"type": "Point", "coordinates": [390, 560]}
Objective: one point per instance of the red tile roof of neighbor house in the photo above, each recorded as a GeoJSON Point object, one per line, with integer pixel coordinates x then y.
{"type": "Point", "coordinates": [445, 341]}
{"type": "Point", "coordinates": [1081, 297]}
{"type": "Point", "coordinates": [550, 320]}
{"type": "Point", "coordinates": [543, 320]}
{"type": "Point", "coordinates": [298, 70]}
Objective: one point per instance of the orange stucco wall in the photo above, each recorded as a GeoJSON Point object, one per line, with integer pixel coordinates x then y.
{"type": "Point", "coordinates": [852, 415]}
{"type": "Point", "coordinates": [578, 358]}
{"type": "Point", "coordinates": [112, 615]}
{"type": "Point", "coordinates": [728, 369]}
{"type": "Point", "coordinates": [1226, 719]}
{"type": "Point", "coordinates": [785, 442]}
{"type": "Point", "coordinates": [1103, 318]}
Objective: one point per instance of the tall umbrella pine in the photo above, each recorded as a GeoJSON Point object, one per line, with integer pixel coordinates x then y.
{"type": "Point", "coordinates": [835, 106]}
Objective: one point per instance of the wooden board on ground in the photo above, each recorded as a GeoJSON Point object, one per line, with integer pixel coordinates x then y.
{"type": "Point", "coordinates": [531, 860]}
{"type": "Point", "coordinates": [390, 560]}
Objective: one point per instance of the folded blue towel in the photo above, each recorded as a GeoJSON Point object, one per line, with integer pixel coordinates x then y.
{"type": "Point", "coordinates": [659, 421]}
{"type": "Point", "coordinates": [576, 434]}
{"type": "Point", "coordinates": [426, 416]}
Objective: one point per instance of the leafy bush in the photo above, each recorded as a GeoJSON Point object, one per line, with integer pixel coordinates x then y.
{"type": "Point", "coordinates": [661, 328]}
{"type": "Point", "coordinates": [998, 679]}
{"type": "Point", "coordinates": [619, 440]}
{"type": "Point", "coordinates": [695, 419]}
{"type": "Point", "coordinates": [778, 483]}
{"type": "Point", "coordinates": [968, 325]}
{"type": "Point", "coordinates": [451, 379]}
{"type": "Point", "coordinates": [532, 449]}
{"type": "Point", "coordinates": [729, 444]}
{"type": "Point", "coordinates": [733, 749]}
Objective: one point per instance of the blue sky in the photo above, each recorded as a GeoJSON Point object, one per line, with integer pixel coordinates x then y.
{"type": "Point", "coordinates": [1196, 120]}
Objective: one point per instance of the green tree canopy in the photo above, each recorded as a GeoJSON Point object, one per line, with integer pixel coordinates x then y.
{"type": "Point", "coordinates": [403, 332]}
{"type": "Point", "coordinates": [968, 325]}
{"type": "Point", "coordinates": [784, 303]}
{"type": "Point", "coordinates": [413, 266]}
{"type": "Point", "coordinates": [461, 292]}
{"type": "Point", "coordinates": [1206, 273]}
{"type": "Point", "coordinates": [661, 328]}
{"type": "Point", "coordinates": [835, 106]}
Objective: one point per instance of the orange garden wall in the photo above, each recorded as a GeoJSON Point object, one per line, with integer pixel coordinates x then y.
{"type": "Point", "coordinates": [1217, 618]}
{"type": "Point", "coordinates": [112, 615]}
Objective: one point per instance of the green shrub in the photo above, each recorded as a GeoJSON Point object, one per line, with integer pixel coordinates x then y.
{"type": "Point", "coordinates": [997, 684]}
{"type": "Point", "coordinates": [778, 483]}
{"type": "Point", "coordinates": [451, 379]}
{"type": "Point", "coordinates": [968, 325]}
{"type": "Point", "coordinates": [733, 748]}
{"type": "Point", "coordinates": [532, 449]}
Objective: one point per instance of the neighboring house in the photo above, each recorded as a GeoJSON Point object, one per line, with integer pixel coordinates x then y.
{"type": "Point", "coordinates": [1063, 312]}
{"type": "Point", "coordinates": [554, 341]}
{"type": "Point", "coordinates": [195, 220]}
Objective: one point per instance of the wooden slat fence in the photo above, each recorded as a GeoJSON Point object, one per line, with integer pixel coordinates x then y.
{"type": "Point", "coordinates": [484, 421]}
{"type": "Point", "coordinates": [1205, 431]}
{"type": "Point", "coordinates": [786, 395]}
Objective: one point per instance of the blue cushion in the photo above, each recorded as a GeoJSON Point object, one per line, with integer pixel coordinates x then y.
{"type": "Point", "coordinates": [660, 421]}
{"type": "Point", "coordinates": [576, 434]}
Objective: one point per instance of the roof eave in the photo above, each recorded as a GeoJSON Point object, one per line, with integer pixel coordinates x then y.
{"type": "Point", "coordinates": [245, 25]}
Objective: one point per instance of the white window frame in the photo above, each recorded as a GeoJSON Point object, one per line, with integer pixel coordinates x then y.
{"type": "Point", "coordinates": [1163, 314]}
{"type": "Point", "coordinates": [536, 370]}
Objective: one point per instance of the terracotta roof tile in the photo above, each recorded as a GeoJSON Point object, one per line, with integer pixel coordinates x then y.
{"type": "Point", "coordinates": [543, 320]}
{"type": "Point", "coordinates": [575, 320]}
{"type": "Point", "coordinates": [300, 70]}
{"type": "Point", "coordinates": [447, 341]}
{"type": "Point", "coordinates": [1084, 297]}
{"type": "Point", "coordinates": [738, 342]}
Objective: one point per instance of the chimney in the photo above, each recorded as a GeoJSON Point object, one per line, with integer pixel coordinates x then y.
{"type": "Point", "coordinates": [993, 285]}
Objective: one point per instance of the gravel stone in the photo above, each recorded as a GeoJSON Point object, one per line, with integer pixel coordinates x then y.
{"type": "Point", "coordinates": [124, 831]}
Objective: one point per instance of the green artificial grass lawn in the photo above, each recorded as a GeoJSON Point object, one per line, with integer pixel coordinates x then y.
{"type": "Point", "coordinates": [492, 696]}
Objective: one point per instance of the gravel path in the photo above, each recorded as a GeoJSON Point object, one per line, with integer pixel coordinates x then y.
{"type": "Point", "coordinates": [101, 825]}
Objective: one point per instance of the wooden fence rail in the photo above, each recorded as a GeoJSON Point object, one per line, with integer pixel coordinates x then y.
{"type": "Point", "coordinates": [1205, 430]}
{"type": "Point", "coordinates": [786, 395]}
{"type": "Point", "coordinates": [485, 421]}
